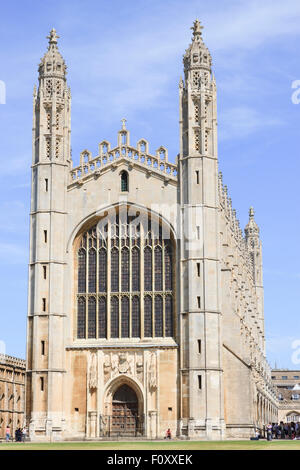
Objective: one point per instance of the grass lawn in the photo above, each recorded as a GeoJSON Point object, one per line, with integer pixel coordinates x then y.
{"type": "Point", "coordinates": [156, 445]}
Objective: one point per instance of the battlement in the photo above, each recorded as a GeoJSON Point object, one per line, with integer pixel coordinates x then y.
{"type": "Point", "coordinates": [140, 155]}
{"type": "Point", "coordinates": [12, 361]}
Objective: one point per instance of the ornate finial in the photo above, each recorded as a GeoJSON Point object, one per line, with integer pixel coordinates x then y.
{"type": "Point", "coordinates": [251, 212]}
{"type": "Point", "coordinates": [123, 124]}
{"type": "Point", "coordinates": [53, 37]}
{"type": "Point", "coordinates": [197, 28]}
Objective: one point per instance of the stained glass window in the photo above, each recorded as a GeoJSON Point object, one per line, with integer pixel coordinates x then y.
{"type": "Point", "coordinates": [102, 317]}
{"type": "Point", "coordinates": [168, 268]}
{"type": "Point", "coordinates": [158, 268]}
{"type": "Point", "coordinates": [81, 270]}
{"type": "Point", "coordinates": [135, 270]}
{"type": "Point", "coordinates": [158, 316]}
{"type": "Point", "coordinates": [92, 270]}
{"type": "Point", "coordinates": [81, 318]}
{"type": "Point", "coordinates": [124, 181]}
{"type": "Point", "coordinates": [136, 318]}
{"type": "Point", "coordinates": [114, 317]}
{"type": "Point", "coordinates": [169, 316]}
{"type": "Point", "coordinates": [114, 270]}
{"type": "Point", "coordinates": [127, 270]}
{"type": "Point", "coordinates": [102, 270]}
{"type": "Point", "coordinates": [125, 317]}
{"type": "Point", "coordinates": [148, 269]}
{"type": "Point", "coordinates": [92, 318]}
{"type": "Point", "coordinates": [148, 317]}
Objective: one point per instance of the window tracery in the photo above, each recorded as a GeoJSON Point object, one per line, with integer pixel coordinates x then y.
{"type": "Point", "coordinates": [138, 299]}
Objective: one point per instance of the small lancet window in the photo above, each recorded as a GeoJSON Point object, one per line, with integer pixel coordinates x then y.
{"type": "Point", "coordinates": [124, 181]}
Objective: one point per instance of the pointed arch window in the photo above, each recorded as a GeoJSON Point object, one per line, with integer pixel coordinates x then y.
{"type": "Point", "coordinates": [113, 272]}
{"type": "Point", "coordinates": [124, 181]}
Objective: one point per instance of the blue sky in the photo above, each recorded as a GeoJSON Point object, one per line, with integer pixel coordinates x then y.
{"type": "Point", "coordinates": [125, 59]}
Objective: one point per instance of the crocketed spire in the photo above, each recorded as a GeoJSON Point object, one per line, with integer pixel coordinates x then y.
{"type": "Point", "coordinates": [197, 55]}
{"type": "Point", "coordinates": [251, 229]}
{"type": "Point", "coordinates": [52, 64]}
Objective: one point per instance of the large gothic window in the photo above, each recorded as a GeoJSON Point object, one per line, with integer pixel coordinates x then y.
{"type": "Point", "coordinates": [125, 281]}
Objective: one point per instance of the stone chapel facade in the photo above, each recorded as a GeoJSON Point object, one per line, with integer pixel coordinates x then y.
{"type": "Point", "coordinates": [145, 308]}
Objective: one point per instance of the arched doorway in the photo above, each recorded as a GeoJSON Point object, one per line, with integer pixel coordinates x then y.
{"type": "Point", "coordinates": [125, 419]}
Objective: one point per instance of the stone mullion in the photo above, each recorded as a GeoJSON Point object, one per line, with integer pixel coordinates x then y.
{"type": "Point", "coordinates": [163, 286]}
{"type": "Point", "coordinates": [87, 284]}
{"type": "Point", "coordinates": [130, 274]}
{"type": "Point", "coordinates": [142, 275]}
{"type": "Point", "coordinates": [120, 279]}
{"type": "Point", "coordinates": [108, 281]}
{"type": "Point", "coordinates": [153, 290]}
{"type": "Point", "coordinates": [97, 285]}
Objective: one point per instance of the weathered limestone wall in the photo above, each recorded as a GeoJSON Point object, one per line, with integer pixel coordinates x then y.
{"type": "Point", "coordinates": [12, 394]}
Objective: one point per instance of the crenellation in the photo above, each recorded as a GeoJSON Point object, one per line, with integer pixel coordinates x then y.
{"type": "Point", "coordinates": [134, 155]}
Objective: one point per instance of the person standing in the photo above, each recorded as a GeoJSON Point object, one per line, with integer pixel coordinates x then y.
{"type": "Point", "coordinates": [7, 433]}
{"type": "Point", "coordinates": [24, 432]}
{"type": "Point", "coordinates": [269, 432]}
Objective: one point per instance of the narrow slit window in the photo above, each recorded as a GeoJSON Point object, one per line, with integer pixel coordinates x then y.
{"type": "Point", "coordinates": [43, 348]}
{"type": "Point", "coordinates": [198, 269]}
{"type": "Point", "coordinates": [45, 236]}
{"type": "Point", "coordinates": [199, 301]}
{"type": "Point", "coordinates": [42, 383]}
{"type": "Point", "coordinates": [197, 176]}
{"type": "Point", "coordinates": [44, 304]}
{"type": "Point", "coordinates": [46, 184]}
{"type": "Point", "coordinates": [198, 232]}
{"type": "Point", "coordinates": [45, 272]}
{"type": "Point", "coordinates": [200, 382]}
{"type": "Point", "coordinates": [199, 346]}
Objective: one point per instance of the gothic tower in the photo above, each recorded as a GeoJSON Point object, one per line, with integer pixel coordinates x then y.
{"type": "Point", "coordinates": [202, 402]}
{"type": "Point", "coordinates": [46, 312]}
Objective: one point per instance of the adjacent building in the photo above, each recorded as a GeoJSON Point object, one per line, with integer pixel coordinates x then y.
{"type": "Point", "coordinates": [145, 295]}
{"type": "Point", "coordinates": [12, 393]}
{"type": "Point", "coordinates": [287, 383]}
